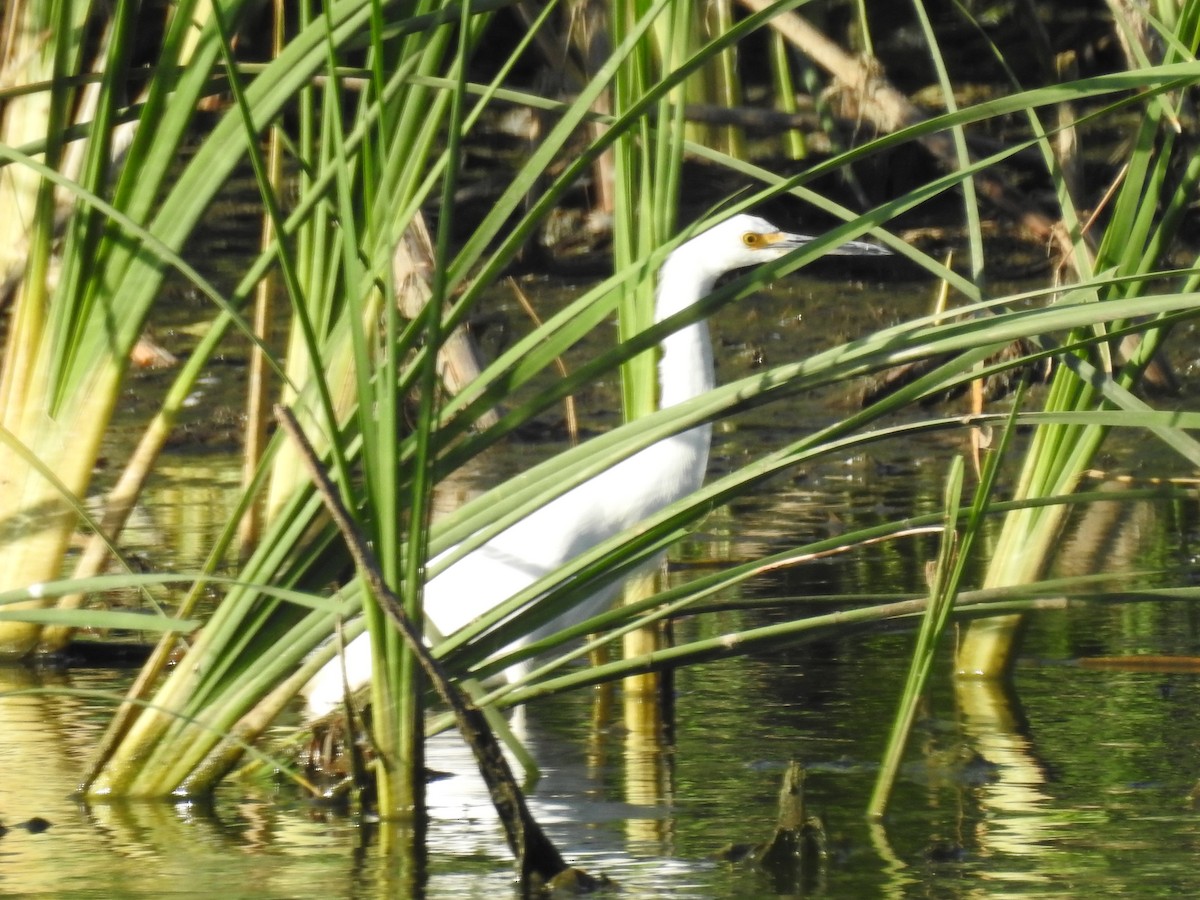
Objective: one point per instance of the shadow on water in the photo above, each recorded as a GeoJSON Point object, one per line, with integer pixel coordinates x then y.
{"type": "Point", "coordinates": [1072, 782]}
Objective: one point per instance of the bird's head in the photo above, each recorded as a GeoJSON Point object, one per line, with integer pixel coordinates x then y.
{"type": "Point", "coordinates": [746, 240]}
{"type": "Point", "coordinates": [740, 241]}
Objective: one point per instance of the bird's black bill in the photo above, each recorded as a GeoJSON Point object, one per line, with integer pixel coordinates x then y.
{"type": "Point", "coordinates": [850, 248]}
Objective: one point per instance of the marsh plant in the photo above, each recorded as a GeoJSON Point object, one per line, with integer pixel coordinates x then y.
{"type": "Point", "coordinates": [355, 122]}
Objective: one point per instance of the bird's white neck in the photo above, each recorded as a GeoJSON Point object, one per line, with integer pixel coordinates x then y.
{"type": "Point", "coordinates": [686, 367]}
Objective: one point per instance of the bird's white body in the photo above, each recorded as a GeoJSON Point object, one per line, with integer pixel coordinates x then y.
{"type": "Point", "coordinates": [625, 494]}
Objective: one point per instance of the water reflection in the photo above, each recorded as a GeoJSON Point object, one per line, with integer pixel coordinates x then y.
{"type": "Point", "coordinates": [1086, 777]}
{"type": "Point", "coordinates": [1018, 818]}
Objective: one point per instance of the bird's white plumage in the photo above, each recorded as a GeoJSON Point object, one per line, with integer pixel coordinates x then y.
{"type": "Point", "coordinates": [614, 500]}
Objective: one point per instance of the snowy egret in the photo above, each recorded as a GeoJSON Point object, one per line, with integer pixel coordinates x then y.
{"type": "Point", "coordinates": [617, 498]}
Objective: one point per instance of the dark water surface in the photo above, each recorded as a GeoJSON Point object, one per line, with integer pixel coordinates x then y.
{"type": "Point", "coordinates": [1073, 782]}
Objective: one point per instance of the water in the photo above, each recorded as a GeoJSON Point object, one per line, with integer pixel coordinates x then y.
{"type": "Point", "coordinates": [1073, 782]}
{"type": "Point", "coordinates": [1083, 791]}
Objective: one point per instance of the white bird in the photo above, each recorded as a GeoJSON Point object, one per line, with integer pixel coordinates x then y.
{"type": "Point", "coordinates": [616, 499]}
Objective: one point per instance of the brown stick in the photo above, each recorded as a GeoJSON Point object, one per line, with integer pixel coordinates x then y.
{"type": "Point", "coordinates": [412, 265]}
{"type": "Point", "coordinates": [889, 110]}
{"type": "Point", "coordinates": [536, 855]}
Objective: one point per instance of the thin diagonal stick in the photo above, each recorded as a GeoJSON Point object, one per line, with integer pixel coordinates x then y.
{"type": "Point", "coordinates": [534, 851]}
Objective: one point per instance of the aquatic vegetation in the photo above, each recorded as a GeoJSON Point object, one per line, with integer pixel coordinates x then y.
{"type": "Point", "coordinates": [371, 112]}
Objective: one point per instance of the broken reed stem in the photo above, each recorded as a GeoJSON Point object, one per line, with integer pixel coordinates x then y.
{"type": "Point", "coordinates": [535, 853]}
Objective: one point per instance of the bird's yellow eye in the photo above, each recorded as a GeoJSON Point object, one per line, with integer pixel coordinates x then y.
{"type": "Point", "coordinates": [752, 239]}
